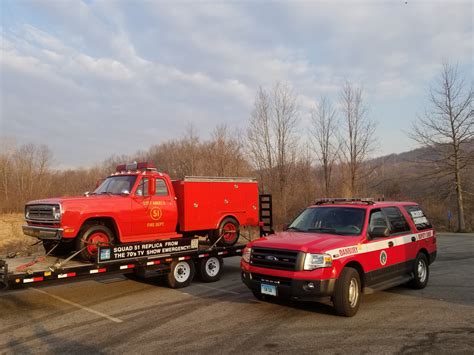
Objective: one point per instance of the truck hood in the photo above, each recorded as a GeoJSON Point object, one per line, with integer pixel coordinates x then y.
{"type": "Point", "coordinates": [62, 200]}
{"type": "Point", "coordinates": [306, 242]}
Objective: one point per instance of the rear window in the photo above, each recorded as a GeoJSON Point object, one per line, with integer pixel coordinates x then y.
{"type": "Point", "coordinates": [398, 224]}
{"type": "Point", "coordinates": [418, 217]}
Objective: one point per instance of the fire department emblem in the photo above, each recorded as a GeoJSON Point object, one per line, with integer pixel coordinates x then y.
{"type": "Point", "coordinates": [155, 213]}
{"type": "Point", "coordinates": [383, 257]}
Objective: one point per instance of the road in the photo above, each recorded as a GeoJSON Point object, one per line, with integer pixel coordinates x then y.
{"type": "Point", "coordinates": [117, 315]}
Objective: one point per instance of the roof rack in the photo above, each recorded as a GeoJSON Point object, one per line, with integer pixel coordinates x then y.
{"type": "Point", "coordinates": [342, 200]}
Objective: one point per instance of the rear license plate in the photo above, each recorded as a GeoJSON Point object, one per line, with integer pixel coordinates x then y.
{"type": "Point", "coordinates": [268, 290]}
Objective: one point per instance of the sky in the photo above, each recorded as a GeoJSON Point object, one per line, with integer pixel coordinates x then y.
{"type": "Point", "coordinates": [96, 78]}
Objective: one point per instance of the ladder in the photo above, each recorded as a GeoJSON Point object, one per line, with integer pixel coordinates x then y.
{"type": "Point", "coordinates": [265, 214]}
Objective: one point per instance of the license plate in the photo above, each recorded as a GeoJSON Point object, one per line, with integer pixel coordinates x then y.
{"type": "Point", "coordinates": [268, 290]}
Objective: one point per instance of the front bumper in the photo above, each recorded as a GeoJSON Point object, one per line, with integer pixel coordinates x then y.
{"type": "Point", "coordinates": [290, 288]}
{"type": "Point", "coordinates": [43, 232]}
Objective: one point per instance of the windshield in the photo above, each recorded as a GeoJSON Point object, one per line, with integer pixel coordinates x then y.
{"type": "Point", "coordinates": [116, 185]}
{"type": "Point", "coordinates": [333, 220]}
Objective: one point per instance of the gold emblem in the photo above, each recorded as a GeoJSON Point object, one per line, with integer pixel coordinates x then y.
{"type": "Point", "coordinates": [155, 213]}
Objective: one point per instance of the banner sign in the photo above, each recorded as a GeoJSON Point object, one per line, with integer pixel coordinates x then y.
{"type": "Point", "coordinates": [147, 249]}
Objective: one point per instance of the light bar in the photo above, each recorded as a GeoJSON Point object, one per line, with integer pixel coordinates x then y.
{"type": "Point", "coordinates": [135, 166]}
{"type": "Point", "coordinates": [367, 200]}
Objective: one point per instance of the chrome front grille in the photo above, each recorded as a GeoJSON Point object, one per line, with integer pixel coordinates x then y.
{"type": "Point", "coordinates": [275, 258]}
{"type": "Point", "coordinates": [42, 213]}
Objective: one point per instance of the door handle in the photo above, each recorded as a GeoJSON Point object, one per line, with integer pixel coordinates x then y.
{"type": "Point", "coordinates": [390, 244]}
{"type": "Point", "coordinates": [413, 239]}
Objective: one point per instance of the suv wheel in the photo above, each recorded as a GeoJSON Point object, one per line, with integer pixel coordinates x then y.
{"type": "Point", "coordinates": [347, 294]}
{"type": "Point", "coordinates": [421, 272]}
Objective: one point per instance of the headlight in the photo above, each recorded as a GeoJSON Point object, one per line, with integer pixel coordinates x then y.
{"type": "Point", "coordinates": [246, 254]}
{"type": "Point", "coordinates": [57, 213]}
{"type": "Point", "coordinates": [315, 261]}
{"type": "Point", "coordinates": [27, 212]}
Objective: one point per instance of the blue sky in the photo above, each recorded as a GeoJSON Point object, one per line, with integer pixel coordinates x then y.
{"type": "Point", "coordinates": [96, 78]}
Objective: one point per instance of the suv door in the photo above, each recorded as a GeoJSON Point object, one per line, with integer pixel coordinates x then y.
{"type": "Point", "coordinates": [387, 255]}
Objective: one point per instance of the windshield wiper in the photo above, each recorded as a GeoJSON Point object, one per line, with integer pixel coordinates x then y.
{"type": "Point", "coordinates": [295, 229]}
{"type": "Point", "coordinates": [322, 230]}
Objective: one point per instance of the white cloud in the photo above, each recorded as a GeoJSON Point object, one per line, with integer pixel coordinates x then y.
{"type": "Point", "coordinates": [115, 71]}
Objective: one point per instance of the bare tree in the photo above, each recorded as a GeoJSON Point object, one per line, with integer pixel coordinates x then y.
{"type": "Point", "coordinates": [324, 138]}
{"type": "Point", "coordinates": [447, 127]}
{"type": "Point", "coordinates": [357, 139]}
{"type": "Point", "coordinates": [272, 138]}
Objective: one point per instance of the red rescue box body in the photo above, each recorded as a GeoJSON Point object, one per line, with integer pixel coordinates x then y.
{"type": "Point", "coordinates": [203, 202]}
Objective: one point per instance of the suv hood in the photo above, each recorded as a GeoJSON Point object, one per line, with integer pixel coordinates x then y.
{"type": "Point", "coordinates": [306, 242]}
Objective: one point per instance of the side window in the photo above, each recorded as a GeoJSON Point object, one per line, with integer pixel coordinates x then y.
{"type": "Point", "coordinates": [142, 189]}
{"type": "Point", "coordinates": [418, 217]}
{"type": "Point", "coordinates": [377, 219]}
{"type": "Point", "coordinates": [161, 188]}
{"type": "Point", "coordinates": [398, 223]}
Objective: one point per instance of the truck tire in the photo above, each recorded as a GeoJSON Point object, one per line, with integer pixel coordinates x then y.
{"type": "Point", "coordinates": [93, 236]}
{"type": "Point", "coordinates": [347, 293]}
{"type": "Point", "coordinates": [229, 228]}
{"type": "Point", "coordinates": [421, 272]}
{"type": "Point", "coordinates": [181, 274]}
{"type": "Point", "coordinates": [210, 269]}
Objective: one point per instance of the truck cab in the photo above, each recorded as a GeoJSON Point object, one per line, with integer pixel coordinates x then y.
{"type": "Point", "coordinates": [341, 248]}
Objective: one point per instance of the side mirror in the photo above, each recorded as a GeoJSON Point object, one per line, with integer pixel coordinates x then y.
{"type": "Point", "coordinates": [151, 187]}
{"type": "Point", "coordinates": [125, 193]}
{"type": "Point", "coordinates": [285, 227]}
{"type": "Point", "coordinates": [87, 193]}
{"type": "Point", "coordinates": [379, 232]}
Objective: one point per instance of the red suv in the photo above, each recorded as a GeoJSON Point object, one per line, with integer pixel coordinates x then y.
{"type": "Point", "coordinates": [341, 248]}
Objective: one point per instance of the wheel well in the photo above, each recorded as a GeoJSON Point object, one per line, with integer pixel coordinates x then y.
{"type": "Point", "coordinates": [228, 216]}
{"type": "Point", "coordinates": [109, 222]}
{"type": "Point", "coordinates": [424, 251]}
{"type": "Point", "coordinates": [360, 270]}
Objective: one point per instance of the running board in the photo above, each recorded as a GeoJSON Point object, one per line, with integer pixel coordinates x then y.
{"type": "Point", "coordinates": [388, 284]}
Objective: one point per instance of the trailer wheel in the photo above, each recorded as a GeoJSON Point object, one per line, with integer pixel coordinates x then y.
{"type": "Point", "coordinates": [181, 274]}
{"type": "Point", "coordinates": [230, 231]}
{"type": "Point", "coordinates": [93, 236]}
{"type": "Point", "coordinates": [210, 269]}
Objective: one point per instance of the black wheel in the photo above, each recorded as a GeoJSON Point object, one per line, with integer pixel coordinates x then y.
{"type": "Point", "coordinates": [62, 249]}
{"type": "Point", "coordinates": [91, 238]}
{"type": "Point", "coordinates": [421, 272]}
{"type": "Point", "coordinates": [347, 294]}
{"type": "Point", "coordinates": [229, 228]}
{"type": "Point", "coordinates": [181, 274]}
{"type": "Point", "coordinates": [210, 269]}
{"type": "Point", "coordinates": [258, 295]}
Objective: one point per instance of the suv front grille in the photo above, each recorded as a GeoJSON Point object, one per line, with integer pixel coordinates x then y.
{"type": "Point", "coordinates": [272, 279]}
{"type": "Point", "coordinates": [275, 258]}
{"type": "Point", "coordinates": [41, 213]}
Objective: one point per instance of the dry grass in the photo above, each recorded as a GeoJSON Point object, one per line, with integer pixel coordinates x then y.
{"type": "Point", "coordinates": [12, 238]}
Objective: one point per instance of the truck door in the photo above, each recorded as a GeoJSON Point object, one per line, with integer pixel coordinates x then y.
{"type": "Point", "coordinates": [153, 216]}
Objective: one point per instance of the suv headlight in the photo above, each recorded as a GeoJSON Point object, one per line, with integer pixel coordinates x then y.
{"type": "Point", "coordinates": [315, 261]}
{"type": "Point", "coordinates": [246, 254]}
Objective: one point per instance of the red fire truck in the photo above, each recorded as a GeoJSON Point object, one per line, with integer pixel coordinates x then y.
{"type": "Point", "coordinates": [340, 248]}
{"type": "Point", "coordinates": [137, 204]}
{"type": "Point", "coordinates": [139, 220]}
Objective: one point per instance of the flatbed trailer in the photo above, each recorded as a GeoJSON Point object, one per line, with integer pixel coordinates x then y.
{"type": "Point", "coordinates": [206, 259]}
{"type": "Point", "coordinates": [176, 259]}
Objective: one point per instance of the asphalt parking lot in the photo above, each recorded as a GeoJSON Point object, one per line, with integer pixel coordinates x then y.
{"type": "Point", "coordinates": [117, 315]}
